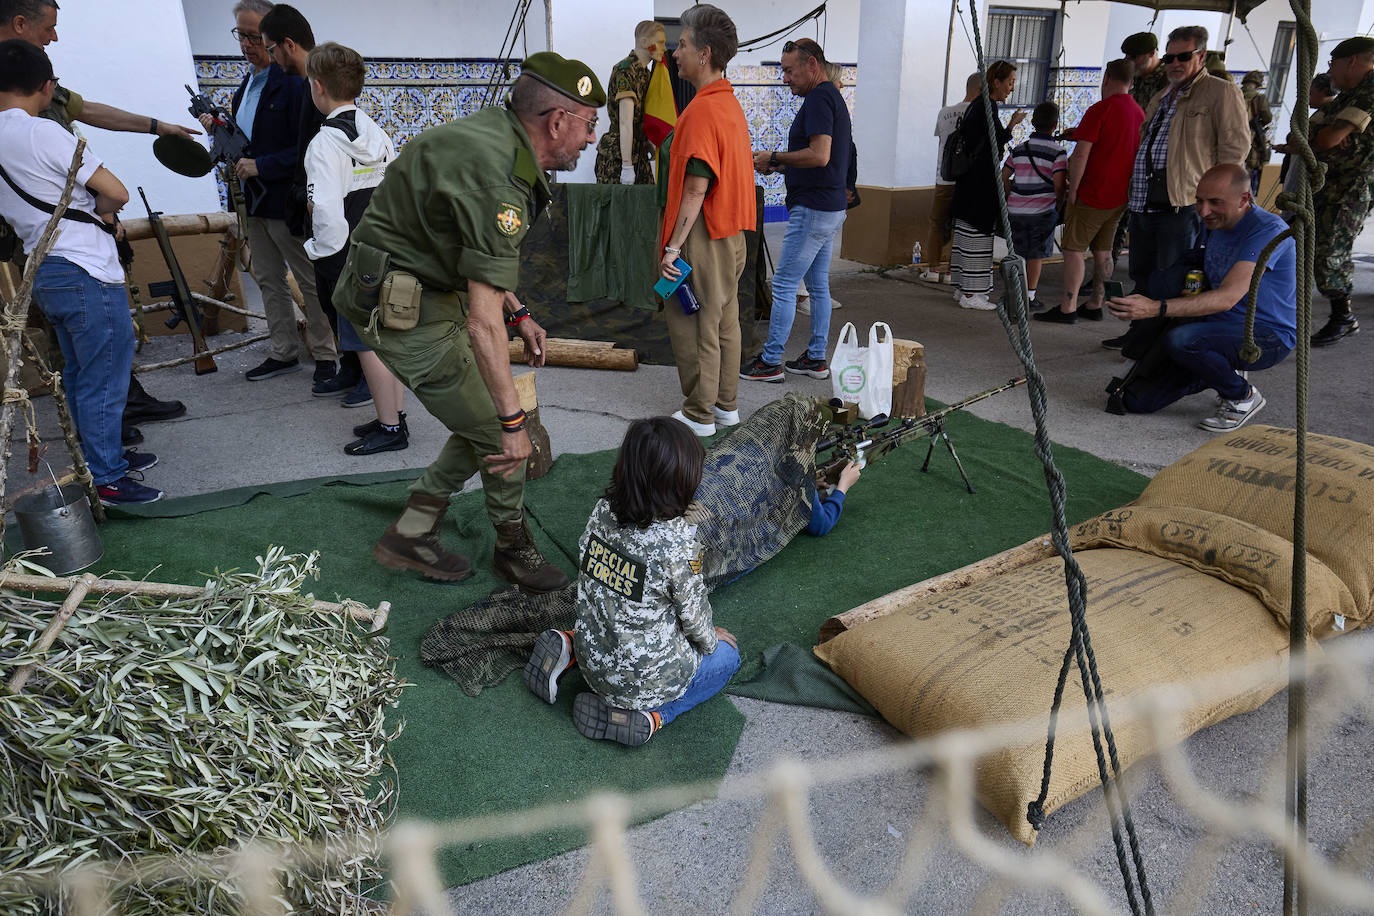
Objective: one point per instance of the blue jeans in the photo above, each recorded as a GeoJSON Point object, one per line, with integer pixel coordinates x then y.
{"type": "Point", "coordinates": [712, 675]}
{"type": "Point", "coordinates": [1158, 240]}
{"type": "Point", "coordinates": [93, 328]}
{"type": "Point", "coordinates": [1204, 354]}
{"type": "Point", "coordinates": [805, 255]}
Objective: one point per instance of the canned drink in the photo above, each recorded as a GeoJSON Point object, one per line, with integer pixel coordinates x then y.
{"type": "Point", "coordinates": [687, 299]}
{"type": "Point", "coordinates": [1192, 282]}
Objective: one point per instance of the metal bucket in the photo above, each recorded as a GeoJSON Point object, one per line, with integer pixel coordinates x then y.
{"type": "Point", "coordinates": [60, 520]}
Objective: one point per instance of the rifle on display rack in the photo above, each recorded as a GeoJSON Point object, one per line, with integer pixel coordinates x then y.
{"type": "Point", "coordinates": [184, 308]}
{"type": "Point", "coordinates": [228, 144]}
{"type": "Point", "coordinates": [863, 441]}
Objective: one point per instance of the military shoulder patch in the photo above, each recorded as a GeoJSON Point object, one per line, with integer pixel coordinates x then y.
{"type": "Point", "coordinates": [617, 572]}
{"type": "Point", "coordinates": [508, 219]}
{"type": "Point", "coordinates": [695, 563]}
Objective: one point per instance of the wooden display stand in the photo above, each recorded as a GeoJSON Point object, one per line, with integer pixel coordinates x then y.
{"type": "Point", "coordinates": [541, 459]}
{"type": "Point", "coordinates": [908, 378]}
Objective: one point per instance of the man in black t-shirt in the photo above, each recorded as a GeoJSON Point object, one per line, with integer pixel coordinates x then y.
{"type": "Point", "coordinates": [815, 168]}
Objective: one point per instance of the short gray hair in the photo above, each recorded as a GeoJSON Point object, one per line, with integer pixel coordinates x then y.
{"type": "Point", "coordinates": [11, 10]}
{"type": "Point", "coordinates": [713, 29]}
{"type": "Point", "coordinates": [1197, 33]}
{"type": "Point", "coordinates": [261, 7]}
{"type": "Point", "coordinates": [529, 98]}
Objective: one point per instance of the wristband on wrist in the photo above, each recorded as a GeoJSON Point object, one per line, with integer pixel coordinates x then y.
{"type": "Point", "coordinates": [773, 159]}
{"type": "Point", "coordinates": [152, 125]}
{"type": "Point", "coordinates": [669, 249]}
{"type": "Point", "coordinates": [517, 316]}
{"type": "Point", "coordinates": [513, 423]}
{"type": "Point", "coordinates": [1163, 308]}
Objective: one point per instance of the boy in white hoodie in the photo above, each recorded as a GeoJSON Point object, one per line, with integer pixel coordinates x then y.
{"type": "Point", "coordinates": [343, 165]}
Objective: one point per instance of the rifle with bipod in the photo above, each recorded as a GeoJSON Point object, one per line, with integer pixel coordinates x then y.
{"type": "Point", "coordinates": [184, 308]}
{"type": "Point", "coordinates": [864, 441]}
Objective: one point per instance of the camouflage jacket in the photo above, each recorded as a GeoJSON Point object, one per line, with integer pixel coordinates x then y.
{"type": "Point", "coordinates": [1147, 87]}
{"type": "Point", "coordinates": [643, 618]}
{"type": "Point", "coordinates": [1349, 165]}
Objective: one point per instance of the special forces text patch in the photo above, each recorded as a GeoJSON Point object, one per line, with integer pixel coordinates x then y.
{"type": "Point", "coordinates": [621, 574]}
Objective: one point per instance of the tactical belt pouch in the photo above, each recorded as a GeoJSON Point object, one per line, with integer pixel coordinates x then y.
{"type": "Point", "coordinates": [400, 301]}
{"type": "Point", "coordinates": [370, 265]}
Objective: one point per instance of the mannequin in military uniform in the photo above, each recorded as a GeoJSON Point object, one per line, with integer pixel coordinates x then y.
{"type": "Point", "coordinates": [1343, 139]}
{"type": "Point", "coordinates": [428, 280]}
{"type": "Point", "coordinates": [624, 153]}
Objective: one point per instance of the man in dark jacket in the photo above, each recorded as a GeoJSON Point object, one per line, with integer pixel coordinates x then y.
{"type": "Point", "coordinates": [267, 106]}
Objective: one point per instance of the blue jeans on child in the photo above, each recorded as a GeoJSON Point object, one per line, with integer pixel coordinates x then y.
{"type": "Point", "coordinates": [712, 675]}
{"type": "Point", "coordinates": [805, 255]}
{"type": "Point", "coordinates": [1205, 354]}
{"type": "Point", "coordinates": [93, 329]}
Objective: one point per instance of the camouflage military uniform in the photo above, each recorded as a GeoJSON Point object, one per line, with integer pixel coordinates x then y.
{"type": "Point", "coordinates": [1148, 86]}
{"type": "Point", "coordinates": [643, 619]}
{"type": "Point", "coordinates": [1344, 199]}
{"type": "Point", "coordinates": [629, 80]}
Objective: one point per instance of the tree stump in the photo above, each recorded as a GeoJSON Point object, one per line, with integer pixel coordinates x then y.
{"type": "Point", "coordinates": [541, 459]}
{"type": "Point", "coordinates": [908, 378]}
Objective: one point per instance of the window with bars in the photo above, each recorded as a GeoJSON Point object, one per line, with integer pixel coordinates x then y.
{"type": "Point", "coordinates": [1280, 61]}
{"type": "Point", "coordinates": [1024, 37]}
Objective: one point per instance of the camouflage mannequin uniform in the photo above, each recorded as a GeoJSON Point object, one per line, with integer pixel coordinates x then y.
{"type": "Point", "coordinates": [1343, 201]}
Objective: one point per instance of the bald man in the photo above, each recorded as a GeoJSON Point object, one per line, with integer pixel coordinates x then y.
{"type": "Point", "coordinates": [1203, 337]}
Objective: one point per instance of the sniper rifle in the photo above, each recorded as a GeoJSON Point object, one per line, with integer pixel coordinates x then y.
{"type": "Point", "coordinates": [863, 441]}
{"type": "Point", "coordinates": [228, 144]}
{"type": "Point", "coordinates": [184, 308]}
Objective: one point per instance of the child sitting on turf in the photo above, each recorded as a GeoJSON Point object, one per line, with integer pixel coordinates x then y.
{"type": "Point", "coordinates": [1036, 178]}
{"type": "Point", "coordinates": [644, 637]}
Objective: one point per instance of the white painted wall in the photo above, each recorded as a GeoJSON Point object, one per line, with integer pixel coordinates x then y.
{"type": "Point", "coordinates": [150, 83]}
{"type": "Point", "coordinates": [837, 31]}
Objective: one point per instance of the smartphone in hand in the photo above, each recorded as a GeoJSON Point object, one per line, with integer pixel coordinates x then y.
{"type": "Point", "coordinates": [1113, 289]}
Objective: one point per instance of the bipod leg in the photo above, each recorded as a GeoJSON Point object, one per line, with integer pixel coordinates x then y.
{"type": "Point", "coordinates": [955, 455]}
{"type": "Point", "coordinates": [925, 466]}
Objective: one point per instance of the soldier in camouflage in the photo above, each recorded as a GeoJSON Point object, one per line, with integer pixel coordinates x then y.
{"type": "Point", "coordinates": [644, 638]}
{"type": "Point", "coordinates": [1342, 138]}
{"type": "Point", "coordinates": [1143, 50]}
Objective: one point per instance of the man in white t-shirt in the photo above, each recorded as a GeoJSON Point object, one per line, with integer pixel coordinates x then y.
{"type": "Point", "coordinates": [80, 284]}
{"type": "Point", "coordinates": [935, 249]}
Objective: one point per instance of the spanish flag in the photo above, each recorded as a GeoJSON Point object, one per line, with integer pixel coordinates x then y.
{"type": "Point", "coordinates": [660, 110]}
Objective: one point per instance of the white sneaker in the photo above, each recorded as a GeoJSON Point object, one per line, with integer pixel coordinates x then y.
{"type": "Point", "coordinates": [957, 294]}
{"type": "Point", "coordinates": [725, 417]}
{"type": "Point", "coordinates": [1234, 414]}
{"type": "Point", "coordinates": [803, 305]}
{"type": "Point", "coordinates": [834, 304]}
{"type": "Point", "coordinates": [979, 302]}
{"type": "Point", "coordinates": [934, 276]}
{"type": "Point", "coordinates": [701, 429]}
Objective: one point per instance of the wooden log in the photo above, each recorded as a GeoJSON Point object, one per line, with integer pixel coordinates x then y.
{"type": "Point", "coordinates": [182, 224]}
{"type": "Point", "coordinates": [54, 627]}
{"type": "Point", "coordinates": [1033, 551]}
{"type": "Point", "coordinates": [541, 459]}
{"type": "Point", "coordinates": [23, 582]}
{"type": "Point", "coordinates": [908, 378]}
{"type": "Point", "coordinates": [580, 354]}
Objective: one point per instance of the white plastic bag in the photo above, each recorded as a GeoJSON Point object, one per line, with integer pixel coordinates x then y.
{"type": "Point", "coordinates": [863, 375]}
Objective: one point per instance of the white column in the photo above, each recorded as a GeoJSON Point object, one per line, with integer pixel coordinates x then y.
{"type": "Point", "coordinates": [151, 82]}
{"type": "Point", "coordinates": [599, 33]}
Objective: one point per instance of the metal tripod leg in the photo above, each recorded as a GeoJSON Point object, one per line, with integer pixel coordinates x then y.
{"type": "Point", "coordinates": [939, 431]}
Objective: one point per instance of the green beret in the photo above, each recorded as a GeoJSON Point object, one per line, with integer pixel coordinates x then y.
{"type": "Point", "coordinates": [1254, 76]}
{"type": "Point", "coordinates": [570, 77]}
{"type": "Point", "coordinates": [1139, 43]}
{"type": "Point", "coordinates": [1352, 46]}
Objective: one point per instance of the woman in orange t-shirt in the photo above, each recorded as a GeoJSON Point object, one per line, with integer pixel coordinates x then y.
{"type": "Point", "coordinates": [710, 204]}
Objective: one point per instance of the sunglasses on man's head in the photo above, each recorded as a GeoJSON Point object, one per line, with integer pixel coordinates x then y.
{"type": "Point", "coordinates": [1181, 56]}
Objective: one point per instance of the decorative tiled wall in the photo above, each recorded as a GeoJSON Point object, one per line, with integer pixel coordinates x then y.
{"type": "Point", "coordinates": [406, 95]}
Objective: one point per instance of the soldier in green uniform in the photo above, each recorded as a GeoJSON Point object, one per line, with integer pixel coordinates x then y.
{"type": "Point", "coordinates": [1143, 50]}
{"type": "Point", "coordinates": [1342, 138]}
{"type": "Point", "coordinates": [427, 281]}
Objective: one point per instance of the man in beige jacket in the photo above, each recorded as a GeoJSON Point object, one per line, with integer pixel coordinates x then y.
{"type": "Point", "coordinates": [1198, 121]}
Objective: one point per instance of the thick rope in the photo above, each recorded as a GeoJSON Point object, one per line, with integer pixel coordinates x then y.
{"type": "Point", "coordinates": [1013, 313]}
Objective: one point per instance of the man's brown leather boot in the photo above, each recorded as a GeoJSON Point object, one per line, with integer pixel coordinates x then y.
{"type": "Point", "coordinates": [518, 560]}
{"type": "Point", "coordinates": [419, 548]}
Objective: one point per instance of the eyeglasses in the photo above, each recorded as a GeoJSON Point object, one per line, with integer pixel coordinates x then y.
{"type": "Point", "coordinates": [592, 122]}
{"type": "Point", "coordinates": [270, 48]}
{"type": "Point", "coordinates": [245, 38]}
{"type": "Point", "coordinates": [1182, 56]}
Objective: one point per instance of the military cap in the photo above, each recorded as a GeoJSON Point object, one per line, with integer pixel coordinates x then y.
{"type": "Point", "coordinates": [1352, 46]}
{"type": "Point", "coordinates": [1254, 76]}
{"type": "Point", "coordinates": [569, 77]}
{"type": "Point", "coordinates": [1216, 65]}
{"type": "Point", "coordinates": [182, 155]}
{"type": "Point", "coordinates": [1139, 43]}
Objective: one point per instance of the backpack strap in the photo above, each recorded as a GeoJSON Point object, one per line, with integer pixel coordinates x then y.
{"type": "Point", "coordinates": [77, 216]}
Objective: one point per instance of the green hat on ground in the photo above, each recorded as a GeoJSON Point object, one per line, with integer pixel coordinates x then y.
{"type": "Point", "coordinates": [1139, 43]}
{"type": "Point", "coordinates": [1254, 76]}
{"type": "Point", "coordinates": [569, 77]}
{"type": "Point", "coordinates": [1352, 46]}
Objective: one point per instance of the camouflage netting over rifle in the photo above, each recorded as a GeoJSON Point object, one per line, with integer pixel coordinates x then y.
{"type": "Point", "coordinates": [756, 492]}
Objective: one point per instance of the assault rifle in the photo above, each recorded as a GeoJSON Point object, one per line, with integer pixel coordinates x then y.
{"type": "Point", "coordinates": [184, 308]}
{"type": "Point", "coordinates": [863, 441]}
{"type": "Point", "coordinates": [228, 144]}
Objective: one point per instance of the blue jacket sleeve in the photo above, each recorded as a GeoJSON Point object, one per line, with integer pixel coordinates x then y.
{"type": "Point", "coordinates": [825, 512]}
{"type": "Point", "coordinates": [280, 165]}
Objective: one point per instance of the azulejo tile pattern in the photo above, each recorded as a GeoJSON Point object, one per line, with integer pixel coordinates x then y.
{"type": "Point", "coordinates": [406, 95]}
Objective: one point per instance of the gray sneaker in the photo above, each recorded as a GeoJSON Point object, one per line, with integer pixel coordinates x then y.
{"type": "Point", "coordinates": [1234, 414]}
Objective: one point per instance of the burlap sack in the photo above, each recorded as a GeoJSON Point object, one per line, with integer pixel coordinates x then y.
{"type": "Point", "coordinates": [990, 654]}
{"type": "Point", "coordinates": [1248, 475]}
{"type": "Point", "coordinates": [1248, 557]}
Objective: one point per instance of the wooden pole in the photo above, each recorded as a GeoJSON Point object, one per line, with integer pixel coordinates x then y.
{"type": "Point", "coordinates": [74, 598]}
{"type": "Point", "coordinates": [580, 354]}
{"type": "Point", "coordinates": [182, 360]}
{"type": "Point", "coordinates": [182, 224]}
{"type": "Point", "coordinates": [23, 582]}
{"type": "Point", "coordinates": [16, 319]}
{"type": "Point", "coordinates": [80, 469]}
{"type": "Point", "coordinates": [1033, 551]}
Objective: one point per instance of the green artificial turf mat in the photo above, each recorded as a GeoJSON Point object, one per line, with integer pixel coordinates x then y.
{"type": "Point", "coordinates": [505, 750]}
